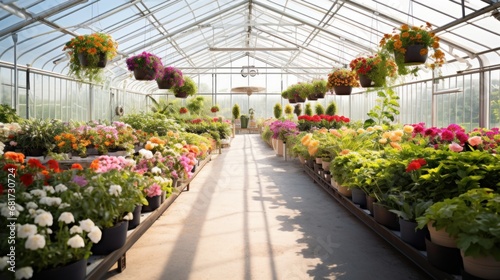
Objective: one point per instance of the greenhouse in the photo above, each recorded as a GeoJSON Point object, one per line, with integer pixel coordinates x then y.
{"type": "Point", "coordinates": [250, 139]}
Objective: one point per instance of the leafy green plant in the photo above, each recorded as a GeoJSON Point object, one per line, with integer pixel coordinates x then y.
{"type": "Point", "coordinates": [308, 110]}
{"type": "Point", "coordinates": [236, 111]}
{"type": "Point", "coordinates": [331, 109]}
{"type": "Point", "coordinates": [189, 88]}
{"type": "Point", "coordinates": [37, 135]}
{"type": "Point", "coordinates": [408, 207]}
{"type": "Point", "coordinates": [195, 105]}
{"type": "Point", "coordinates": [7, 114]}
{"type": "Point", "coordinates": [277, 110]}
{"type": "Point", "coordinates": [386, 109]}
{"type": "Point", "coordinates": [319, 109]}
{"type": "Point", "coordinates": [288, 109]}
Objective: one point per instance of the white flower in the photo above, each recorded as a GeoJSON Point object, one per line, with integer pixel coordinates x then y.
{"type": "Point", "coordinates": [87, 225]}
{"type": "Point", "coordinates": [64, 205]}
{"type": "Point", "coordinates": [115, 190]}
{"type": "Point", "coordinates": [49, 189]}
{"type": "Point", "coordinates": [76, 242]}
{"type": "Point", "coordinates": [50, 201]}
{"type": "Point", "coordinates": [156, 170]}
{"type": "Point", "coordinates": [24, 273]}
{"type": "Point", "coordinates": [146, 153]}
{"type": "Point", "coordinates": [27, 195]}
{"type": "Point", "coordinates": [26, 230]}
{"type": "Point", "coordinates": [79, 195]}
{"type": "Point", "coordinates": [3, 262]}
{"type": "Point", "coordinates": [44, 219]}
{"type": "Point", "coordinates": [39, 193]}
{"type": "Point", "coordinates": [31, 205]}
{"type": "Point", "coordinates": [35, 242]}
{"type": "Point", "coordinates": [75, 229]}
{"type": "Point", "coordinates": [95, 234]}
{"type": "Point", "coordinates": [129, 216]}
{"type": "Point", "coordinates": [32, 212]}
{"type": "Point", "coordinates": [89, 189]}
{"type": "Point", "coordinates": [40, 211]}
{"type": "Point", "coordinates": [66, 217]}
{"type": "Point", "coordinates": [61, 188]}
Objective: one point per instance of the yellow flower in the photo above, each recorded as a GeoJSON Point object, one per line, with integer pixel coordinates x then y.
{"type": "Point", "coordinates": [305, 140]}
{"type": "Point", "coordinates": [395, 145]}
{"type": "Point", "coordinates": [408, 128]}
{"type": "Point", "coordinates": [312, 150]}
{"type": "Point", "coordinates": [399, 133]}
{"type": "Point", "coordinates": [370, 129]}
{"type": "Point", "coordinates": [382, 140]}
{"type": "Point", "coordinates": [360, 131]}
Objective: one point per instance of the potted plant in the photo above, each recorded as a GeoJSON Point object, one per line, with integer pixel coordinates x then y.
{"type": "Point", "coordinates": [146, 66]}
{"type": "Point", "coordinates": [168, 77]}
{"type": "Point", "coordinates": [36, 137]}
{"type": "Point", "coordinates": [410, 46]}
{"type": "Point", "coordinates": [89, 54]}
{"type": "Point", "coordinates": [188, 89]}
{"type": "Point", "coordinates": [319, 87]}
{"type": "Point", "coordinates": [183, 110]}
{"type": "Point", "coordinates": [296, 93]}
{"type": "Point", "coordinates": [277, 110]}
{"type": "Point", "coordinates": [297, 110]}
{"type": "Point", "coordinates": [331, 109]}
{"type": "Point", "coordinates": [308, 109]}
{"type": "Point", "coordinates": [215, 109]}
{"type": "Point", "coordinates": [319, 109]}
{"type": "Point", "coordinates": [342, 80]}
{"type": "Point", "coordinates": [8, 114]}
{"type": "Point", "coordinates": [374, 70]}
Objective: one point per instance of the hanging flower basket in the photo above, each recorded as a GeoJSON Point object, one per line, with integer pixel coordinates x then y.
{"type": "Point", "coordinates": [189, 88]}
{"type": "Point", "coordinates": [169, 77]}
{"type": "Point", "coordinates": [146, 66]}
{"type": "Point", "coordinates": [85, 60]}
{"type": "Point", "coordinates": [342, 81]}
{"type": "Point", "coordinates": [373, 70]}
{"type": "Point", "coordinates": [342, 90]}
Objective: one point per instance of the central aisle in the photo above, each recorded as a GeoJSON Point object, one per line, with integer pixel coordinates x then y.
{"type": "Point", "coordinates": [253, 215]}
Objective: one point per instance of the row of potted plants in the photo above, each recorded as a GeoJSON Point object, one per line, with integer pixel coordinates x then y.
{"type": "Point", "coordinates": [298, 93]}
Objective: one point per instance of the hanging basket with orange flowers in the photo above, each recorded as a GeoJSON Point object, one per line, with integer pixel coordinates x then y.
{"type": "Point", "coordinates": [410, 46]}
{"type": "Point", "coordinates": [342, 80]}
{"type": "Point", "coordinates": [89, 55]}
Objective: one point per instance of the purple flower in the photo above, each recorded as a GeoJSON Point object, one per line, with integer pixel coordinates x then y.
{"type": "Point", "coordinates": [80, 180]}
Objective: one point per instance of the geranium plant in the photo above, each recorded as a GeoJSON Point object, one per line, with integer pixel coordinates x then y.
{"type": "Point", "coordinates": [214, 109]}
{"type": "Point", "coordinates": [377, 67]}
{"type": "Point", "coordinates": [94, 49]}
{"type": "Point", "coordinates": [407, 36]}
{"type": "Point", "coordinates": [147, 63]}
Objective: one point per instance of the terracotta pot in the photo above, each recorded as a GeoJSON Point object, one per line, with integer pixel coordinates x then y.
{"type": "Point", "coordinates": [485, 267]}
{"type": "Point", "coordinates": [279, 147]}
{"type": "Point", "coordinates": [441, 237]}
{"type": "Point", "coordinates": [325, 164]}
{"type": "Point", "coordinates": [319, 160]}
{"type": "Point", "coordinates": [302, 159]}
{"type": "Point", "coordinates": [344, 191]}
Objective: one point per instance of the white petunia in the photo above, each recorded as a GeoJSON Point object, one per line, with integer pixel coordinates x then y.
{"type": "Point", "coordinates": [27, 230]}
{"type": "Point", "coordinates": [24, 273]}
{"type": "Point", "coordinates": [35, 242]}
{"type": "Point", "coordinates": [3, 262]}
{"type": "Point", "coordinates": [115, 190]}
{"type": "Point", "coordinates": [87, 225]}
{"type": "Point", "coordinates": [146, 153]}
{"type": "Point", "coordinates": [19, 207]}
{"type": "Point", "coordinates": [32, 212]}
{"type": "Point", "coordinates": [26, 195]}
{"type": "Point", "coordinates": [64, 205]}
{"type": "Point", "coordinates": [49, 189]}
{"type": "Point", "coordinates": [31, 205]}
{"type": "Point", "coordinates": [61, 188]}
{"type": "Point", "coordinates": [39, 193]}
{"type": "Point", "coordinates": [66, 217]}
{"type": "Point", "coordinates": [75, 229]}
{"type": "Point", "coordinates": [95, 234]}
{"type": "Point", "coordinates": [51, 201]}
{"type": "Point", "coordinates": [156, 170]}
{"type": "Point", "coordinates": [76, 242]}
{"type": "Point", "coordinates": [44, 219]}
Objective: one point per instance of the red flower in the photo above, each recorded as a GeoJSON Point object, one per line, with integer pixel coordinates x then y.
{"type": "Point", "coordinates": [77, 166]}
{"type": "Point", "coordinates": [8, 168]}
{"type": "Point", "coordinates": [27, 179]}
{"type": "Point", "coordinates": [54, 165]}
{"type": "Point", "coordinates": [416, 164]}
{"type": "Point", "coordinates": [35, 163]}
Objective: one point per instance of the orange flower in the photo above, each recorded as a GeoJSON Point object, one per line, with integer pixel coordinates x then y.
{"type": "Point", "coordinates": [17, 157]}
{"type": "Point", "coordinates": [423, 51]}
{"type": "Point", "coordinates": [94, 164]}
{"type": "Point", "coordinates": [77, 166]}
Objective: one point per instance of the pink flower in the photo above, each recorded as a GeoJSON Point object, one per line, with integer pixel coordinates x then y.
{"type": "Point", "coordinates": [455, 147]}
{"type": "Point", "coordinates": [153, 190]}
{"type": "Point", "coordinates": [447, 135]}
{"type": "Point", "coordinates": [475, 140]}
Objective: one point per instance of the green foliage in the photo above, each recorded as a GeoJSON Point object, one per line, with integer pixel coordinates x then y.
{"type": "Point", "coordinates": [151, 123]}
{"type": "Point", "coordinates": [236, 111]}
{"type": "Point", "coordinates": [195, 105]}
{"type": "Point", "coordinates": [189, 88]}
{"type": "Point", "coordinates": [277, 110]}
{"type": "Point", "coordinates": [297, 109]}
{"type": "Point", "coordinates": [408, 207]}
{"type": "Point", "coordinates": [163, 107]}
{"type": "Point", "coordinates": [386, 109]}
{"type": "Point", "coordinates": [288, 109]}
{"type": "Point", "coordinates": [7, 114]}
{"type": "Point", "coordinates": [331, 109]}
{"type": "Point", "coordinates": [38, 134]}
{"type": "Point", "coordinates": [319, 109]}
{"type": "Point", "coordinates": [308, 110]}
{"type": "Point", "coordinates": [267, 134]}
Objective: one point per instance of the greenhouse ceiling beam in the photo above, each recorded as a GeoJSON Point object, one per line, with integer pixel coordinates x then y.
{"type": "Point", "coordinates": [40, 16]}
{"type": "Point", "coordinates": [270, 8]}
{"type": "Point", "coordinates": [193, 24]}
{"type": "Point", "coordinates": [468, 17]}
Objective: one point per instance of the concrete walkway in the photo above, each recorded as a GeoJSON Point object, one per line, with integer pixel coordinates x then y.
{"type": "Point", "coordinates": [253, 215]}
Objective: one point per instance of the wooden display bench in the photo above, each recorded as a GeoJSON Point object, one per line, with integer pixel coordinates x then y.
{"type": "Point", "coordinates": [419, 258]}
{"type": "Point", "coordinates": [98, 266]}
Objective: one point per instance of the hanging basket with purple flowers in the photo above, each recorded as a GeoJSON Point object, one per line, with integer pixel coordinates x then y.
{"type": "Point", "coordinates": [169, 77]}
{"type": "Point", "coordinates": [146, 66]}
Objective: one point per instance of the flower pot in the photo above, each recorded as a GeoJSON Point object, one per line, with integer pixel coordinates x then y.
{"type": "Point", "coordinates": [112, 238]}
{"type": "Point", "coordinates": [244, 122]}
{"type": "Point", "coordinates": [154, 203]}
{"type": "Point", "coordinates": [369, 203]}
{"type": "Point", "coordinates": [485, 267]}
{"type": "Point", "coordinates": [412, 55]}
{"type": "Point", "coordinates": [445, 258]}
{"type": "Point", "coordinates": [137, 217]}
{"type": "Point", "coordinates": [333, 183]}
{"type": "Point", "coordinates": [144, 74]}
{"type": "Point", "coordinates": [181, 94]}
{"type": "Point", "coordinates": [325, 164]}
{"type": "Point", "coordinates": [342, 90]}
{"type": "Point", "coordinates": [310, 163]}
{"type": "Point", "coordinates": [302, 160]}
{"type": "Point", "coordinates": [312, 97]}
{"type": "Point", "coordinates": [164, 84]}
{"type": "Point", "coordinates": [279, 147]}
{"type": "Point", "coordinates": [35, 152]}
{"type": "Point", "coordinates": [358, 197]}
{"type": "Point", "coordinates": [319, 160]}
{"type": "Point", "coordinates": [383, 216]}
{"type": "Point", "coordinates": [441, 237]}
{"type": "Point", "coordinates": [292, 100]}
{"type": "Point", "coordinates": [344, 191]}
{"type": "Point", "coordinates": [299, 99]}
{"type": "Point", "coordinates": [103, 60]}
{"type": "Point", "coordinates": [75, 270]}
{"type": "Point", "coordinates": [411, 235]}
{"type": "Point", "coordinates": [364, 81]}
